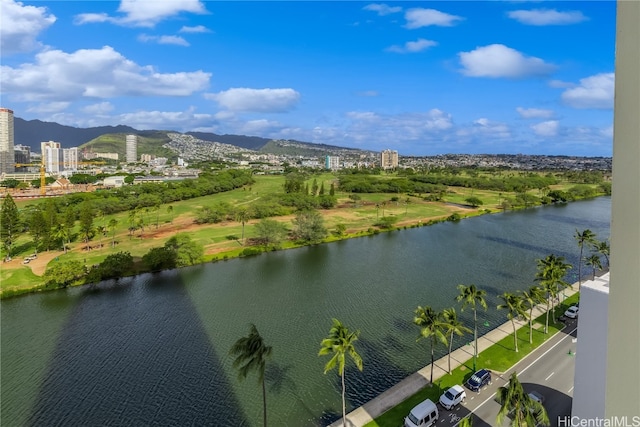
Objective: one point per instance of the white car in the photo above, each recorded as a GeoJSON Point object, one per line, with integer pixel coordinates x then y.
{"type": "Point", "coordinates": [572, 312]}
{"type": "Point", "coordinates": [453, 397]}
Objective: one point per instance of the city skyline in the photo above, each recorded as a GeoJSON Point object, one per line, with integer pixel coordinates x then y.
{"type": "Point", "coordinates": [420, 78]}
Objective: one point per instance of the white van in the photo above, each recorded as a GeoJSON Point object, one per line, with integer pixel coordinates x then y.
{"type": "Point", "coordinates": [423, 415]}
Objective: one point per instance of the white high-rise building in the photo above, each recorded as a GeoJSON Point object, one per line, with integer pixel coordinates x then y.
{"type": "Point", "coordinates": [132, 148]}
{"type": "Point", "coordinates": [332, 162]}
{"type": "Point", "coordinates": [51, 156]}
{"type": "Point", "coordinates": [70, 158]}
{"type": "Point", "coordinates": [7, 159]}
{"type": "Point", "coordinates": [389, 159]}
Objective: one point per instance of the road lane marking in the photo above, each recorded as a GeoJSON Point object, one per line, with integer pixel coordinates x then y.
{"type": "Point", "coordinates": [570, 390]}
{"type": "Point", "coordinates": [550, 375]}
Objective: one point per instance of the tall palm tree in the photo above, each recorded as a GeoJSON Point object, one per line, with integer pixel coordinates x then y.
{"type": "Point", "coordinates": [432, 326]}
{"type": "Point", "coordinates": [594, 262]}
{"type": "Point", "coordinates": [603, 249]}
{"type": "Point", "coordinates": [251, 355]}
{"type": "Point", "coordinates": [515, 308]}
{"type": "Point", "coordinates": [516, 403]}
{"type": "Point", "coordinates": [470, 295]}
{"type": "Point", "coordinates": [551, 272]}
{"type": "Point", "coordinates": [242, 216]}
{"type": "Point", "coordinates": [170, 212]}
{"type": "Point", "coordinates": [589, 237]}
{"type": "Point", "coordinates": [340, 342]}
{"type": "Point", "coordinates": [533, 297]}
{"type": "Point", "coordinates": [60, 231]}
{"type": "Point", "coordinates": [453, 326]}
{"type": "Point", "coordinates": [113, 223]}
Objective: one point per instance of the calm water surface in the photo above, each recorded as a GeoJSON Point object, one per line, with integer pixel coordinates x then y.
{"type": "Point", "coordinates": [152, 350]}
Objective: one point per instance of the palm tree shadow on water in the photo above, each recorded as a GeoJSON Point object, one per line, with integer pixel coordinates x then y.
{"type": "Point", "coordinates": [136, 358]}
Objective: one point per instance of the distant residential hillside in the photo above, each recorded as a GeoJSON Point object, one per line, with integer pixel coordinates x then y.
{"type": "Point", "coordinates": [249, 142]}
{"type": "Point", "coordinates": [297, 148]}
{"type": "Point", "coordinates": [149, 142]}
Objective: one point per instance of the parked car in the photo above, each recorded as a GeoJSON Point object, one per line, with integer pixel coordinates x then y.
{"type": "Point", "coordinates": [452, 397]}
{"type": "Point", "coordinates": [423, 415]}
{"type": "Point", "coordinates": [572, 312]}
{"type": "Point", "coordinates": [535, 396]}
{"type": "Point", "coordinates": [479, 380]}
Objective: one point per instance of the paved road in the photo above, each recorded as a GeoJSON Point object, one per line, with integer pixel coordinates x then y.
{"type": "Point", "coordinates": [548, 370]}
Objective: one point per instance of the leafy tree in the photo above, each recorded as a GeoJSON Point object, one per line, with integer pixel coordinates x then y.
{"type": "Point", "coordinates": [116, 265]}
{"type": "Point", "coordinates": [339, 343]}
{"type": "Point", "coordinates": [453, 326]}
{"type": "Point", "coordinates": [514, 304]}
{"type": "Point", "coordinates": [332, 190]}
{"type": "Point", "coordinates": [170, 212]}
{"type": "Point", "coordinates": [551, 272]}
{"type": "Point", "coordinates": [321, 191]}
{"type": "Point", "coordinates": [270, 233]}
{"type": "Point", "coordinates": [158, 259]}
{"type": "Point", "coordinates": [340, 229]}
{"type": "Point", "coordinates": [386, 222]}
{"type": "Point", "coordinates": [471, 296]}
{"type": "Point", "coordinates": [64, 273]}
{"type": "Point", "coordinates": [9, 223]}
{"type": "Point", "coordinates": [533, 297]}
{"type": "Point", "coordinates": [594, 262]}
{"type": "Point", "coordinates": [10, 183]}
{"type": "Point", "coordinates": [293, 183]}
{"type": "Point", "coordinates": [309, 227]}
{"type": "Point", "coordinates": [187, 252]}
{"type": "Point", "coordinates": [38, 228]}
{"type": "Point", "coordinates": [474, 201]}
{"type": "Point", "coordinates": [586, 236]}
{"type": "Point", "coordinates": [314, 187]}
{"type": "Point", "coordinates": [432, 325]}
{"type": "Point", "coordinates": [251, 355]}
{"type": "Point", "coordinates": [516, 403]}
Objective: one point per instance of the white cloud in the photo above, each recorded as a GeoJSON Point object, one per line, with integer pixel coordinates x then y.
{"type": "Point", "coordinates": [382, 9]}
{"type": "Point", "coordinates": [534, 113]}
{"type": "Point", "coordinates": [498, 60]}
{"type": "Point", "coordinates": [411, 47]}
{"type": "Point", "coordinates": [94, 73]}
{"type": "Point", "coordinates": [418, 18]}
{"type": "Point", "coordinates": [175, 40]}
{"type": "Point", "coordinates": [548, 128]}
{"type": "Point", "coordinates": [256, 100]}
{"type": "Point", "coordinates": [144, 13]}
{"type": "Point", "coordinates": [485, 128]}
{"type": "Point", "coordinates": [547, 17]}
{"type": "Point", "coordinates": [49, 107]}
{"type": "Point", "coordinates": [20, 25]}
{"type": "Point", "coordinates": [99, 109]}
{"type": "Point", "coordinates": [592, 92]}
{"type": "Point", "coordinates": [364, 126]}
{"type": "Point", "coordinates": [560, 84]}
{"type": "Point", "coordinates": [196, 29]}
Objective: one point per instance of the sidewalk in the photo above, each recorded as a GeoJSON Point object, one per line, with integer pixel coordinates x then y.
{"type": "Point", "coordinates": [418, 380]}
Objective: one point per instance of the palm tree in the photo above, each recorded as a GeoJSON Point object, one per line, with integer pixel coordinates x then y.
{"type": "Point", "coordinates": [453, 326]}
{"type": "Point", "coordinates": [60, 231]}
{"type": "Point", "coordinates": [251, 355]}
{"type": "Point", "coordinates": [432, 326]}
{"type": "Point", "coordinates": [470, 295]}
{"type": "Point", "coordinates": [523, 410]}
{"type": "Point", "coordinates": [603, 249]}
{"type": "Point", "coordinates": [594, 262]}
{"type": "Point", "coordinates": [515, 306]}
{"type": "Point", "coordinates": [242, 216]}
{"type": "Point", "coordinates": [170, 212]}
{"type": "Point", "coordinates": [533, 297]}
{"type": "Point", "coordinates": [551, 272]}
{"type": "Point", "coordinates": [340, 342]}
{"type": "Point", "coordinates": [113, 223]}
{"type": "Point", "coordinates": [587, 236]}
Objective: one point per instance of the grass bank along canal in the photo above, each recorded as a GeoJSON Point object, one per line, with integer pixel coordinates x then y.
{"type": "Point", "coordinates": [153, 349]}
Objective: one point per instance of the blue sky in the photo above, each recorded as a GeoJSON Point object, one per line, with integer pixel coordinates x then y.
{"type": "Point", "coordinates": [422, 78]}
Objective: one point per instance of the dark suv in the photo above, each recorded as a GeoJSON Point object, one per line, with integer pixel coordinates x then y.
{"type": "Point", "coordinates": [479, 380]}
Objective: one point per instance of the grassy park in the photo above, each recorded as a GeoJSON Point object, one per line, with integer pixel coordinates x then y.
{"type": "Point", "coordinates": [355, 216]}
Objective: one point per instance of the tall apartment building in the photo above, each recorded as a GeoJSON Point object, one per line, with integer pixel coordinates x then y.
{"type": "Point", "coordinates": [389, 159]}
{"type": "Point", "coordinates": [332, 162]}
{"type": "Point", "coordinates": [51, 156]}
{"type": "Point", "coordinates": [7, 159]}
{"type": "Point", "coordinates": [22, 153]}
{"type": "Point", "coordinates": [70, 158]}
{"type": "Point", "coordinates": [132, 148]}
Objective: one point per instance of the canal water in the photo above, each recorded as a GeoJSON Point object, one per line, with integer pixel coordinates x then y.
{"type": "Point", "coordinates": [153, 350]}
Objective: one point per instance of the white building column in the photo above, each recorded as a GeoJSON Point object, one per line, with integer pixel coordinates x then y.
{"type": "Point", "coordinates": [623, 343]}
